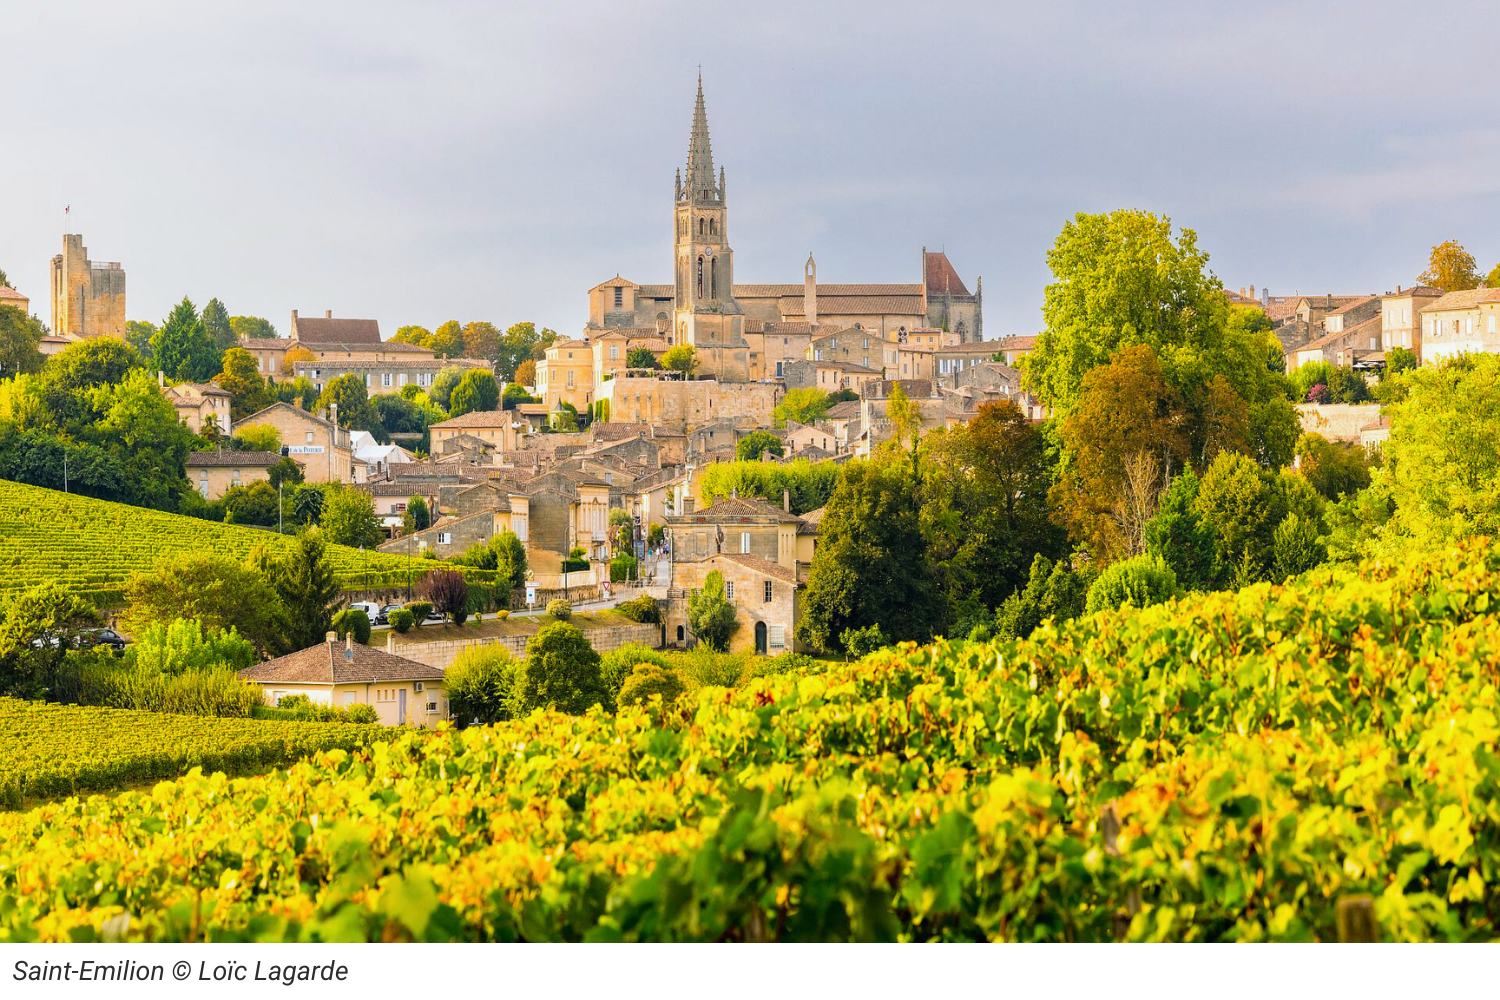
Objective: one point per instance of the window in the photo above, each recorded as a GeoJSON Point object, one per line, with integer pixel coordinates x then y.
{"type": "Point", "coordinates": [776, 637]}
{"type": "Point", "coordinates": [234, 478]}
{"type": "Point", "coordinates": [614, 352]}
{"type": "Point", "coordinates": [778, 364]}
{"type": "Point", "coordinates": [309, 437]}
{"type": "Point", "coordinates": [729, 589]}
{"type": "Point", "coordinates": [570, 380]}
{"type": "Point", "coordinates": [619, 297]}
{"type": "Point", "coordinates": [203, 485]}
{"type": "Point", "coordinates": [445, 538]}
{"type": "Point", "coordinates": [768, 591]}
{"type": "Point", "coordinates": [745, 542]}
{"type": "Point", "coordinates": [818, 354]}
{"type": "Point", "coordinates": [387, 379]}
{"type": "Point", "coordinates": [700, 277]}
{"type": "Point", "coordinates": [1492, 323]}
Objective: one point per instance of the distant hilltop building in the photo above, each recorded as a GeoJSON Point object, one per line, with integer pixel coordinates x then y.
{"type": "Point", "coordinates": [88, 297]}
{"type": "Point", "coordinates": [739, 330]}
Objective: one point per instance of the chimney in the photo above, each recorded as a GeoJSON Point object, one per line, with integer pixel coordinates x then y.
{"type": "Point", "coordinates": [786, 500]}
{"type": "Point", "coordinates": [810, 291]}
{"type": "Point", "coordinates": [349, 645]}
{"type": "Point", "coordinates": [161, 380]}
{"type": "Point", "coordinates": [333, 637]}
{"type": "Point", "coordinates": [328, 314]}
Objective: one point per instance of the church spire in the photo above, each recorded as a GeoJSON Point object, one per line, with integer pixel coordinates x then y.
{"type": "Point", "coordinates": [700, 185]}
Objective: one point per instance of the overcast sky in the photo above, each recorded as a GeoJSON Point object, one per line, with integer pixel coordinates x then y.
{"type": "Point", "coordinates": [429, 161]}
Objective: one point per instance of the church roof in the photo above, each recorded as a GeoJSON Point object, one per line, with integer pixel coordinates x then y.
{"type": "Point", "coordinates": [856, 305]}
{"type": "Point", "coordinates": [824, 291]}
{"type": "Point", "coordinates": [940, 276]}
{"type": "Point", "coordinates": [699, 184]}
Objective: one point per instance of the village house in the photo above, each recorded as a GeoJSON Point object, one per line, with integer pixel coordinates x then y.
{"type": "Point", "coordinates": [1466, 322]}
{"type": "Point", "coordinates": [950, 361]}
{"type": "Point", "coordinates": [381, 377]}
{"type": "Point", "coordinates": [566, 375]}
{"type": "Point", "coordinates": [324, 448]}
{"type": "Point", "coordinates": [10, 297]}
{"type": "Point", "coordinates": [773, 345]}
{"type": "Point", "coordinates": [676, 404]}
{"type": "Point", "coordinates": [403, 692]}
{"type": "Point", "coordinates": [1401, 311]}
{"type": "Point", "coordinates": [212, 473]}
{"type": "Point", "coordinates": [830, 376]}
{"type": "Point", "coordinates": [482, 430]}
{"type": "Point", "coordinates": [611, 350]}
{"type": "Point", "coordinates": [198, 405]}
{"type": "Point", "coordinates": [1011, 350]}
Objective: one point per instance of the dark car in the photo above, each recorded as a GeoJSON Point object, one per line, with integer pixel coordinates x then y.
{"type": "Point", "coordinates": [91, 638]}
{"type": "Point", "coordinates": [383, 616]}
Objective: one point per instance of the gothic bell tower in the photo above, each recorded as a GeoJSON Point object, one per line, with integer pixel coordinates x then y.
{"type": "Point", "coordinates": [706, 313]}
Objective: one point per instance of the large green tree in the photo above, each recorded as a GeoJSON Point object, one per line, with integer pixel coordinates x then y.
{"type": "Point", "coordinates": [20, 342]}
{"type": "Point", "coordinates": [217, 324]}
{"type": "Point", "coordinates": [242, 380]}
{"type": "Point", "coordinates": [37, 628]}
{"type": "Point", "coordinates": [443, 384]}
{"type": "Point", "coordinates": [348, 518]}
{"type": "Point", "coordinates": [710, 614]}
{"type": "Point", "coordinates": [871, 567]}
{"type": "Point", "coordinates": [522, 342]}
{"type": "Point", "coordinates": [349, 394]}
{"type": "Point", "coordinates": [562, 671]}
{"type": "Point", "coordinates": [802, 405]}
{"type": "Point", "coordinates": [303, 579]}
{"type": "Point", "coordinates": [447, 341]}
{"type": "Point", "coordinates": [251, 327]}
{"type": "Point", "coordinates": [182, 348]}
{"type": "Point", "coordinates": [217, 592]}
{"type": "Point", "coordinates": [477, 391]}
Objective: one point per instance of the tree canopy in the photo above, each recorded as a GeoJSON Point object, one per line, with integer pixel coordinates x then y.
{"type": "Point", "coordinates": [1451, 268]}
{"type": "Point", "coordinates": [182, 348]}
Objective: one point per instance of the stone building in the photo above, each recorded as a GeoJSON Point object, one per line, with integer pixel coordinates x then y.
{"type": "Point", "coordinates": [381, 377]}
{"type": "Point", "coordinates": [566, 375]}
{"type": "Point", "coordinates": [212, 473]}
{"type": "Point", "coordinates": [198, 404]}
{"type": "Point", "coordinates": [88, 297]}
{"type": "Point", "coordinates": [324, 448]}
{"type": "Point", "coordinates": [830, 376]}
{"type": "Point", "coordinates": [1401, 324]}
{"type": "Point", "coordinates": [1465, 322]}
{"type": "Point", "coordinates": [10, 297]}
{"type": "Point", "coordinates": [489, 430]}
{"type": "Point", "coordinates": [403, 692]}
{"type": "Point", "coordinates": [704, 307]}
{"type": "Point", "coordinates": [677, 404]}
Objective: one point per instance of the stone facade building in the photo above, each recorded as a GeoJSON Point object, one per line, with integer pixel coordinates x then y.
{"type": "Point", "coordinates": [324, 448]}
{"type": "Point", "coordinates": [88, 297]}
{"type": "Point", "coordinates": [212, 473]}
{"type": "Point", "coordinates": [1465, 322]}
{"type": "Point", "coordinates": [1401, 324]}
{"type": "Point", "coordinates": [703, 305]}
{"type": "Point", "coordinates": [678, 404]}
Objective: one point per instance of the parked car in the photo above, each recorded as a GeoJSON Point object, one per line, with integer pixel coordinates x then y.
{"type": "Point", "coordinates": [434, 618]}
{"type": "Point", "coordinates": [91, 638]}
{"type": "Point", "coordinates": [370, 608]}
{"type": "Point", "coordinates": [385, 614]}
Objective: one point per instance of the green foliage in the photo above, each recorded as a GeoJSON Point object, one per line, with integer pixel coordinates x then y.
{"type": "Point", "coordinates": [355, 621]}
{"type": "Point", "coordinates": [443, 384]}
{"type": "Point", "coordinates": [811, 484]}
{"type": "Point", "coordinates": [510, 559]}
{"type": "Point", "coordinates": [641, 357]}
{"type": "Point", "coordinates": [476, 391]}
{"type": "Point", "coordinates": [251, 327]}
{"type": "Point", "coordinates": [257, 503]}
{"type": "Point", "coordinates": [562, 671]}
{"type": "Point", "coordinates": [514, 395]}
{"type": "Point", "coordinates": [416, 517]}
{"type": "Point", "coordinates": [37, 628]}
{"type": "Point", "coordinates": [485, 686]}
{"type": "Point", "coordinates": [756, 443]}
{"type": "Point", "coordinates": [1053, 590]}
{"type": "Point", "coordinates": [1139, 582]}
{"type": "Point", "coordinates": [861, 642]}
{"type": "Point", "coordinates": [560, 609]}
{"type": "Point", "coordinates": [647, 680]}
{"type": "Point", "coordinates": [348, 518]}
{"type": "Point", "coordinates": [1238, 503]}
{"type": "Point", "coordinates": [50, 751]}
{"type": "Point", "coordinates": [522, 342]}
{"type": "Point", "coordinates": [710, 615]}
{"type": "Point", "coordinates": [616, 665]}
{"type": "Point", "coordinates": [623, 567]}
{"type": "Point", "coordinates": [1296, 546]}
{"type": "Point", "coordinates": [179, 645]}
{"type": "Point", "coordinates": [681, 357]}
{"type": "Point", "coordinates": [348, 393]}
{"type": "Point", "coordinates": [85, 679]}
{"type": "Point", "coordinates": [217, 325]}
{"type": "Point", "coordinates": [1333, 468]}
{"type": "Point", "coordinates": [241, 379]}
{"type": "Point", "coordinates": [1401, 359]}
{"type": "Point", "coordinates": [802, 405]}
{"type": "Point", "coordinates": [401, 620]}
{"type": "Point", "coordinates": [642, 609]}
{"type": "Point", "coordinates": [258, 437]}
{"type": "Point", "coordinates": [303, 578]}
{"type": "Point", "coordinates": [20, 342]}
{"type": "Point", "coordinates": [182, 349]}
{"type": "Point", "coordinates": [1177, 535]}
{"type": "Point", "coordinates": [871, 566]}
{"type": "Point", "coordinates": [420, 610]}
{"type": "Point", "coordinates": [217, 592]}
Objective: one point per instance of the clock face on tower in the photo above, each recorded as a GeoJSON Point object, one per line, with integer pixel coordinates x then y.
{"type": "Point", "coordinates": [708, 251]}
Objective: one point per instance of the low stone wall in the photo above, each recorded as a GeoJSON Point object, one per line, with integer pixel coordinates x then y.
{"type": "Point", "coordinates": [1338, 421]}
{"type": "Point", "coordinates": [442, 654]}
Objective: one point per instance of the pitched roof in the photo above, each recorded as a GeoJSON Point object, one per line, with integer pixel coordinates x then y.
{"type": "Point", "coordinates": [232, 459]}
{"type": "Point", "coordinates": [764, 567]}
{"type": "Point", "coordinates": [1468, 299]}
{"type": "Point", "coordinates": [475, 418]}
{"type": "Point", "coordinates": [986, 347]}
{"type": "Point", "coordinates": [856, 305]}
{"type": "Point", "coordinates": [847, 367]}
{"type": "Point", "coordinates": [745, 507]}
{"type": "Point", "coordinates": [813, 521]}
{"type": "Point", "coordinates": [7, 292]}
{"type": "Point", "coordinates": [327, 330]}
{"type": "Point", "coordinates": [1355, 304]}
{"type": "Point", "coordinates": [1015, 343]}
{"type": "Point", "coordinates": [940, 276]}
{"type": "Point", "coordinates": [845, 409]}
{"type": "Point", "coordinates": [1426, 291]}
{"type": "Point", "coordinates": [340, 663]}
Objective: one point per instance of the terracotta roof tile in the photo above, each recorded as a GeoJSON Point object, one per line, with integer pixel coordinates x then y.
{"type": "Point", "coordinates": [940, 276]}
{"type": "Point", "coordinates": [232, 459]}
{"type": "Point", "coordinates": [1465, 300]}
{"type": "Point", "coordinates": [335, 663]}
{"type": "Point", "coordinates": [323, 330]}
{"type": "Point", "coordinates": [764, 567]}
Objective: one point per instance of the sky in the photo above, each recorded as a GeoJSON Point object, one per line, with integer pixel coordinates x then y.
{"type": "Point", "coordinates": [419, 162]}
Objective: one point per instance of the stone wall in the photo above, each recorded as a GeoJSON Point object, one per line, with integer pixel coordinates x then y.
{"type": "Point", "coordinates": [443, 654]}
{"type": "Point", "coordinates": [1337, 421]}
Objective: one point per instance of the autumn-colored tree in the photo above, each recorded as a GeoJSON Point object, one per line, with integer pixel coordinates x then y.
{"type": "Point", "coordinates": [525, 373]}
{"type": "Point", "coordinates": [417, 335]}
{"type": "Point", "coordinates": [447, 341]}
{"type": "Point", "coordinates": [482, 340]}
{"type": "Point", "coordinates": [1126, 435]}
{"type": "Point", "coordinates": [1492, 280]}
{"type": "Point", "coordinates": [294, 356]}
{"type": "Point", "coordinates": [681, 358]}
{"type": "Point", "coordinates": [1451, 268]}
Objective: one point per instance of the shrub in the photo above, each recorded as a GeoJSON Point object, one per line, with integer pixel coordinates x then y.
{"type": "Point", "coordinates": [502, 614]}
{"type": "Point", "coordinates": [1141, 582]}
{"type": "Point", "coordinates": [648, 679]}
{"type": "Point", "coordinates": [99, 680]}
{"type": "Point", "coordinates": [562, 671]}
{"type": "Point", "coordinates": [401, 620]}
{"type": "Point", "coordinates": [705, 667]}
{"type": "Point", "coordinates": [484, 686]}
{"type": "Point", "coordinates": [643, 609]}
{"type": "Point", "coordinates": [1297, 546]}
{"type": "Point", "coordinates": [785, 663]}
{"type": "Point", "coordinates": [353, 620]}
{"type": "Point", "coordinates": [449, 593]}
{"type": "Point", "coordinates": [560, 609]}
{"type": "Point", "coordinates": [181, 646]}
{"type": "Point", "coordinates": [419, 611]}
{"type": "Point", "coordinates": [622, 567]}
{"type": "Point", "coordinates": [861, 642]}
{"type": "Point", "coordinates": [615, 666]}
{"type": "Point", "coordinates": [363, 714]}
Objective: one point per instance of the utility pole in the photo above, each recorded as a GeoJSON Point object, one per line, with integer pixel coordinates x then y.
{"type": "Point", "coordinates": [280, 528]}
{"type": "Point", "coordinates": [65, 470]}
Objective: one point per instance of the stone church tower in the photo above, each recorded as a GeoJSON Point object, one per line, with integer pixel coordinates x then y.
{"type": "Point", "coordinates": [706, 314]}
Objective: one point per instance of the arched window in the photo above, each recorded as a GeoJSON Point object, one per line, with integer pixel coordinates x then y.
{"type": "Point", "coordinates": [713, 278]}
{"type": "Point", "coordinates": [680, 633]}
{"type": "Point", "coordinates": [702, 226]}
{"type": "Point", "coordinates": [713, 227]}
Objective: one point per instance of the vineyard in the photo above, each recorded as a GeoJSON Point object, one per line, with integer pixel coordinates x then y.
{"type": "Point", "coordinates": [53, 750]}
{"type": "Point", "coordinates": [1235, 767]}
{"type": "Point", "coordinates": [93, 546]}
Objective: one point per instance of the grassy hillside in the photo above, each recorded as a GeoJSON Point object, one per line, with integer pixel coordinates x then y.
{"type": "Point", "coordinates": [93, 546]}
{"type": "Point", "coordinates": [1234, 767]}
